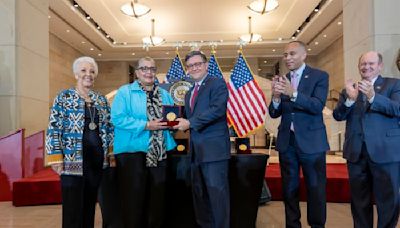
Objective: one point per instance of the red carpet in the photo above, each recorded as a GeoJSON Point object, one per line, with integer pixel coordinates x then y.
{"type": "Point", "coordinates": [41, 188]}
{"type": "Point", "coordinates": [337, 187]}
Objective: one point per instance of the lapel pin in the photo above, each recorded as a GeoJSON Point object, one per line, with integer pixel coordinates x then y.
{"type": "Point", "coordinates": [378, 87]}
{"type": "Point", "coordinates": [305, 76]}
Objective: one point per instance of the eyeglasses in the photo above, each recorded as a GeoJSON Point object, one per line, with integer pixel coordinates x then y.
{"type": "Point", "coordinates": [147, 69]}
{"type": "Point", "coordinates": [193, 65]}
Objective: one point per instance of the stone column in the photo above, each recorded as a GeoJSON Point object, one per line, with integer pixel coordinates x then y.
{"type": "Point", "coordinates": [371, 25]}
{"type": "Point", "coordinates": [24, 63]}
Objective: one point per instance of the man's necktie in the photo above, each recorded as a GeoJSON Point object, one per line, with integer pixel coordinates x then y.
{"type": "Point", "coordinates": [194, 95]}
{"type": "Point", "coordinates": [294, 82]}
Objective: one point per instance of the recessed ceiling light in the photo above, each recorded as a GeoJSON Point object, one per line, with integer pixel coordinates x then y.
{"type": "Point", "coordinates": [88, 17]}
{"type": "Point", "coordinates": [167, 53]}
{"type": "Point", "coordinates": [98, 27]}
{"type": "Point", "coordinates": [280, 38]}
{"type": "Point", "coordinates": [201, 41]}
{"type": "Point", "coordinates": [221, 41]}
{"type": "Point", "coordinates": [99, 54]}
{"type": "Point", "coordinates": [91, 49]}
{"type": "Point", "coordinates": [259, 69]}
{"type": "Point", "coordinates": [83, 42]}
{"type": "Point", "coordinates": [293, 37]}
{"type": "Point", "coordinates": [265, 61]}
{"type": "Point", "coordinates": [49, 16]}
{"type": "Point", "coordinates": [316, 10]}
{"type": "Point", "coordinates": [108, 36]}
{"type": "Point", "coordinates": [67, 30]}
{"type": "Point", "coordinates": [133, 53]}
{"type": "Point", "coordinates": [125, 43]}
{"type": "Point", "coordinates": [324, 35]}
{"type": "Point", "coordinates": [114, 42]}
{"type": "Point", "coordinates": [76, 5]}
{"type": "Point", "coordinates": [298, 30]}
{"type": "Point", "coordinates": [316, 43]}
{"type": "Point", "coordinates": [309, 49]}
{"type": "Point", "coordinates": [273, 50]}
{"type": "Point", "coordinates": [339, 23]}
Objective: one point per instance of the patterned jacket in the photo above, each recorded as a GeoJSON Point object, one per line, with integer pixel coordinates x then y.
{"type": "Point", "coordinates": [65, 131]}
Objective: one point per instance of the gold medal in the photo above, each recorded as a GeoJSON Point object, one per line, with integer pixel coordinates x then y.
{"type": "Point", "coordinates": [242, 147]}
{"type": "Point", "coordinates": [171, 116]}
{"type": "Point", "coordinates": [92, 126]}
{"type": "Point", "coordinates": [180, 148]}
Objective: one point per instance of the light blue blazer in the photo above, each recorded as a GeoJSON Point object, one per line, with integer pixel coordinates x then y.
{"type": "Point", "coordinates": [128, 114]}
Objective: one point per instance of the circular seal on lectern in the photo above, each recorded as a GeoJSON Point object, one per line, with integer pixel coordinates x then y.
{"type": "Point", "coordinates": [178, 91]}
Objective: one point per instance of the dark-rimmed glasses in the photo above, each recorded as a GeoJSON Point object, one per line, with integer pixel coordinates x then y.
{"type": "Point", "coordinates": [145, 69]}
{"type": "Point", "coordinates": [193, 65]}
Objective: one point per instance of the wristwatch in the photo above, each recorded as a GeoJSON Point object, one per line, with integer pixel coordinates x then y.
{"type": "Point", "coordinates": [294, 96]}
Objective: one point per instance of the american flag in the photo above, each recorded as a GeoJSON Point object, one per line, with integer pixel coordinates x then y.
{"type": "Point", "coordinates": [213, 67]}
{"type": "Point", "coordinates": [246, 105]}
{"type": "Point", "coordinates": [176, 71]}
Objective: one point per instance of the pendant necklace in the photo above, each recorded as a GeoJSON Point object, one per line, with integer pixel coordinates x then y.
{"type": "Point", "coordinates": [92, 124]}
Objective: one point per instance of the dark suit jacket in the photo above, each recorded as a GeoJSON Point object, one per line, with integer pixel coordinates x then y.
{"type": "Point", "coordinates": [377, 124]}
{"type": "Point", "coordinates": [209, 135]}
{"type": "Point", "coordinates": [305, 112]}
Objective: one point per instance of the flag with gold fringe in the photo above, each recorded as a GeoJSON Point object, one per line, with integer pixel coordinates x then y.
{"type": "Point", "coordinates": [176, 70]}
{"type": "Point", "coordinates": [213, 66]}
{"type": "Point", "coordinates": [247, 106]}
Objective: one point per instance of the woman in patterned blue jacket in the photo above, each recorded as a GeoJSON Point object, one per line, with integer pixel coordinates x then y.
{"type": "Point", "coordinates": [78, 139]}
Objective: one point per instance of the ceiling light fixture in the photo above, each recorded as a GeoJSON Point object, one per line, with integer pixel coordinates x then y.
{"type": "Point", "coordinates": [135, 9]}
{"type": "Point", "coordinates": [263, 6]}
{"type": "Point", "coordinates": [152, 40]}
{"type": "Point", "coordinates": [251, 37]}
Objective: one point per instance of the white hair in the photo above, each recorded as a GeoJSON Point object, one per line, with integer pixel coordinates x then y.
{"type": "Point", "coordinates": [84, 59]}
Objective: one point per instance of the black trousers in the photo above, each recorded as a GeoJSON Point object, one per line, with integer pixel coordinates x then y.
{"type": "Point", "coordinates": [370, 180]}
{"type": "Point", "coordinates": [142, 190]}
{"type": "Point", "coordinates": [79, 193]}
{"type": "Point", "coordinates": [109, 200]}
{"type": "Point", "coordinates": [314, 170]}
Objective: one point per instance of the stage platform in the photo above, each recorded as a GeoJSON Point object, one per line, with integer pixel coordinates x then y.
{"type": "Point", "coordinates": [337, 185]}
{"type": "Point", "coordinates": [44, 188]}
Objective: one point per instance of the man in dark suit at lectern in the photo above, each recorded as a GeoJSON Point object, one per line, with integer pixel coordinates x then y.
{"type": "Point", "coordinates": [299, 98]}
{"type": "Point", "coordinates": [371, 109]}
{"type": "Point", "coordinates": [205, 113]}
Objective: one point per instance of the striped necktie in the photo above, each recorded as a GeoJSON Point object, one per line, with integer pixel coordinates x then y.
{"type": "Point", "coordinates": [194, 95]}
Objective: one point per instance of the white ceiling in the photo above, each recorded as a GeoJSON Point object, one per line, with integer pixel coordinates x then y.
{"type": "Point", "coordinates": [189, 22]}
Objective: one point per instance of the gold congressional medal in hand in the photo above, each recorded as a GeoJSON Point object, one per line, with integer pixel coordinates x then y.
{"type": "Point", "coordinates": [242, 147]}
{"type": "Point", "coordinates": [171, 116]}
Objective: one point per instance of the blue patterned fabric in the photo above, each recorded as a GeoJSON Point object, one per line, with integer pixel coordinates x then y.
{"type": "Point", "coordinates": [65, 130]}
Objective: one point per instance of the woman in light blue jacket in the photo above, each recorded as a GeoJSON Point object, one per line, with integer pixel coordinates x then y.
{"type": "Point", "coordinates": [140, 145]}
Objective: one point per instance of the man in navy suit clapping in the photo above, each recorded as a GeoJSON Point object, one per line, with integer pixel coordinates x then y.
{"type": "Point", "coordinates": [299, 98]}
{"type": "Point", "coordinates": [371, 108]}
